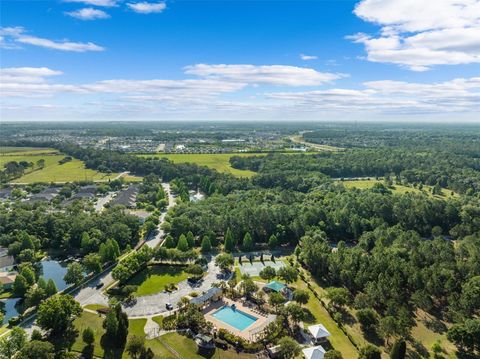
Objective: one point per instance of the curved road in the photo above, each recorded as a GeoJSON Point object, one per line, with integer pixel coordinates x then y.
{"type": "Point", "coordinates": [93, 295]}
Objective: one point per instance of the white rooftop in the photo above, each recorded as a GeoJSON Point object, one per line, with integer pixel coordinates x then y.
{"type": "Point", "coordinates": [314, 352]}
{"type": "Point", "coordinates": [319, 331]}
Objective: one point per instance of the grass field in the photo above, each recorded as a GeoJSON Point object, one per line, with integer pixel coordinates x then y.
{"type": "Point", "coordinates": [398, 189]}
{"type": "Point", "coordinates": [95, 322]}
{"type": "Point", "coordinates": [153, 279]}
{"type": "Point", "coordinates": [338, 339]}
{"type": "Point", "coordinates": [25, 151]}
{"type": "Point", "coordinates": [53, 171]}
{"type": "Point", "coordinates": [217, 161]}
{"type": "Point", "coordinates": [187, 348]}
{"type": "Point", "coordinates": [184, 346]}
{"type": "Point", "coordinates": [95, 306]}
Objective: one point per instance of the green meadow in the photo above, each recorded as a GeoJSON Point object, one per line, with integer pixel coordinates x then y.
{"type": "Point", "coordinates": [53, 171]}
{"type": "Point", "coordinates": [216, 161]}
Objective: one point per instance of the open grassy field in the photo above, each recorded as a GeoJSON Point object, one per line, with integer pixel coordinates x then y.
{"type": "Point", "coordinates": [53, 171]}
{"type": "Point", "coordinates": [338, 339]}
{"type": "Point", "coordinates": [154, 279]}
{"type": "Point", "coordinates": [95, 322]}
{"type": "Point", "coordinates": [182, 345]}
{"type": "Point", "coordinates": [25, 151]}
{"type": "Point", "coordinates": [187, 348]}
{"type": "Point", "coordinates": [217, 161]}
{"type": "Point", "coordinates": [399, 189]}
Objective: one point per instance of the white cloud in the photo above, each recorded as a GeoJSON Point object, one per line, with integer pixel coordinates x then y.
{"type": "Point", "coordinates": [308, 57]}
{"type": "Point", "coordinates": [88, 13]}
{"type": "Point", "coordinates": [421, 34]}
{"type": "Point", "coordinates": [17, 35]}
{"type": "Point", "coordinates": [105, 3]}
{"type": "Point", "coordinates": [27, 90]}
{"type": "Point", "coordinates": [147, 7]}
{"type": "Point", "coordinates": [271, 75]}
{"type": "Point", "coordinates": [26, 74]}
{"type": "Point", "coordinates": [455, 96]}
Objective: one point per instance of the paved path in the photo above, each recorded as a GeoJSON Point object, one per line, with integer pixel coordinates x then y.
{"type": "Point", "coordinates": [151, 305]}
{"type": "Point", "coordinates": [158, 237]}
{"type": "Point", "coordinates": [90, 294]}
{"type": "Point", "coordinates": [151, 328]}
{"type": "Point", "coordinates": [102, 201]}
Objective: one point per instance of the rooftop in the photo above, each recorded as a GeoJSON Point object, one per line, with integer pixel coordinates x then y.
{"type": "Point", "coordinates": [209, 294]}
{"type": "Point", "coordinates": [319, 331]}
{"type": "Point", "coordinates": [314, 352]}
{"type": "Point", "coordinates": [275, 286]}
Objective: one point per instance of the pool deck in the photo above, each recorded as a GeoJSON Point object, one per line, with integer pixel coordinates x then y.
{"type": "Point", "coordinates": [249, 332]}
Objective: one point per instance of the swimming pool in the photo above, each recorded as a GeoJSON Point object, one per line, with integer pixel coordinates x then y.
{"type": "Point", "coordinates": [234, 317]}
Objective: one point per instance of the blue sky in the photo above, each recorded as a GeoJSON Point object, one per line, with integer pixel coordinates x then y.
{"type": "Point", "coordinates": [234, 60]}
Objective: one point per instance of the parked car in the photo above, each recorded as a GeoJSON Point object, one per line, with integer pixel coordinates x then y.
{"type": "Point", "coordinates": [169, 306]}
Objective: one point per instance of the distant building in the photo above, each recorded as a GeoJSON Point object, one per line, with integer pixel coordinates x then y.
{"type": "Point", "coordinates": [7, 279]}
{"type": "Point", "coordinates": [6, 260]}
{"type": "Point", "coordinates": [46, 195]}
{"type": "Point", "coordinates": [5, 193]}
{"type": "Point", "coordinates": [126, 197]}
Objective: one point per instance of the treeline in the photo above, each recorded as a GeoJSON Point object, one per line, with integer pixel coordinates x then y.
{"type": "Point", "coordinates": [207, 180]}
{"type": "Point", "coordinates": [394, 272]}
{"type": "Point", "coordinates": [27, 230]}
{"type": "Point", "coordinates": [459, 173]}
{"type": "Point", "coordinates": [342, 214]}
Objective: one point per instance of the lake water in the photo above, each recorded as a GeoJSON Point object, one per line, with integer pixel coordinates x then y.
{"type": "Point", "coordinates": [56, 271]}
{"type": "Point", "coordinates": [50, 269]}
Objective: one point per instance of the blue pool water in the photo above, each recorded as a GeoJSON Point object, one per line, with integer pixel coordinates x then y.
{"type": "Point", "coordinates": [234, 317]}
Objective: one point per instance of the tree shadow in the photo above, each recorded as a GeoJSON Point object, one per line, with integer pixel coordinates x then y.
{"type": "Point", "coordinates": [435, 325]}
{"type": "Point", "coordinates": [308, 317]}
{"type": "Point", "coordinates": [346, 317]}
{"type": "Point", "coordinates": [65, 340]}
{"type": "Point", "coordinates": [373, 337]}
{"type": "Point", "coordinates": [110, 350]}
{"type": "Point", "coordinates": [420, 349]}
{"type": "Point", "coordinates": [206, 353]}
{"type": "Point", "coordinates": [87, 351]}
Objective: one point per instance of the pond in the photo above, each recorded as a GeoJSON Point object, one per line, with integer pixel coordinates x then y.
{"type": "Point", "coordinates": [50, 269]}
{"type": "Point", "coordinates": [10, 308]}
{"type": "Point", "coordinates": [54, 270]}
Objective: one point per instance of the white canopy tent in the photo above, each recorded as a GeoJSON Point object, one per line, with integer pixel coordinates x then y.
{"type": "Point", "coordinates": [318, 331]}
{"type": "Point", "coordinates": [314, 352]}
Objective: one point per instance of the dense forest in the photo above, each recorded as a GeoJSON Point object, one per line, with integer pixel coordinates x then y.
{"type": "Point", "coordinates": [385, 254]}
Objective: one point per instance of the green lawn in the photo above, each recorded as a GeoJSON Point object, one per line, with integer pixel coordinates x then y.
{"type": "Point", "coordinates": [338, 339]}
{"type": "Point", "coordinates": [95, 322]}
{"type": "Point", "coordinates": [26, 150]}
{"type": "Point", "coordinates": [187, 348]}
{"type": "Point", "coordinates": [427, 337]}
{"type": "Point", "coordinates": [158, 320]}
{"type": "Point", "coordinates": [95, 306]}
{"type": "Point", "coordinates": [217, 161]}
{"type": "Point", "coordinates": [135, 327]}
{"type": "Point", "coordinates": [53, 171]}
{"type": "Point", "coordinates": [398, 189]}
{"type": "Point", "coordinates": [154, 278]}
